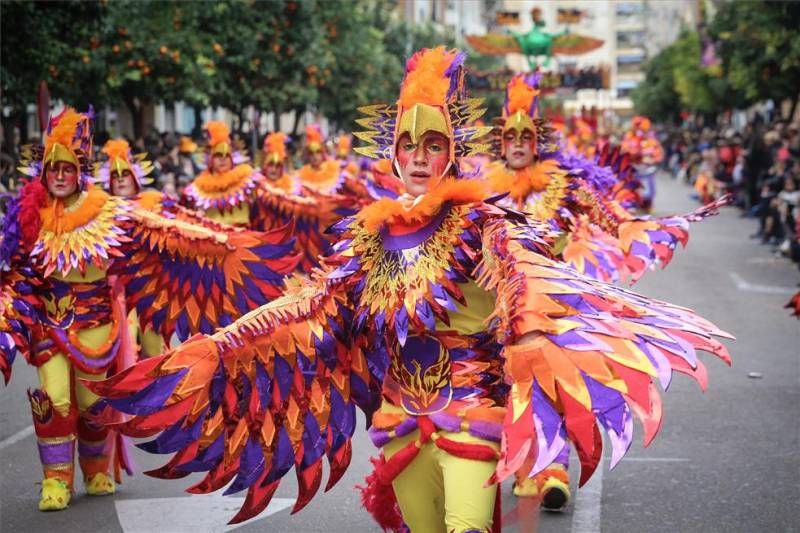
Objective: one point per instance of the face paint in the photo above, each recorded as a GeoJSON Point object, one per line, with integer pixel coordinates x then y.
{"type": "Point", "coordinates": [316, 158]}
{"type": "Point", "coordinates": [62, 179]}
{"type": "Point", "coordinates": [221, 163]}
{"type": "Point", "coordinates": [273, 171]}
{"type": "Point", "coordinates": [422, 165]}
{"type": "Point", "coordinates": [123, 184]}
{"type": "Point", "coordinates": [519, 148]}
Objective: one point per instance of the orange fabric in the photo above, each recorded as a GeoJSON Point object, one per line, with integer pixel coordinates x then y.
{"type": "Point", "coordinates": [218, 133]}
{"type": "Point", "coordinates": [388, 210]}
{"type": "Point", "coordinates": [58, 219]}
{"type": "Point", "coordinates": [521, 183]}
{"type": "Point", "coordinates": [425, 82]}
{"type": "Point", "coordinates": [210, 183]}
{"type": "Point", "coordinates": [150, 200]}
{"type": "Point", "coordinates": [520, 95]}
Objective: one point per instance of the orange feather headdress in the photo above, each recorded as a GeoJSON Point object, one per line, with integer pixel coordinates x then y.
{"type": "Point", "coordinates": [343, 145]}
{"type": "Point", "coordinates": [315, 141]}
{"type": "Point", "coordinates": [522, 102]}
{"type": "Point", "coordinates": [119, 159]}
{"type": "Point", "coordinates": [275, 147]}
{"type": "Point", "coordinates": [432, 98]}
{"type": "Point", "coordinates": [69, 138]}
{"type": "Point", "coordinates": [219, 137]}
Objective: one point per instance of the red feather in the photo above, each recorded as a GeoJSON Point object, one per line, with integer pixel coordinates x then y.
{"type": "Point", "coordinates": [32, 198]}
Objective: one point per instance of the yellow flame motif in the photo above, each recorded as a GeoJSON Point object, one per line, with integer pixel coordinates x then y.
{"type": "Point", "coordinates": [423, 384]}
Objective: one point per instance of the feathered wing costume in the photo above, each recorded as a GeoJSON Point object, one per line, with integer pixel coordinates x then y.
{"type": "Point", "coordinates": [70, 263]}
{"type": "Point", "coordinates": [445, 321]}
{"type": "Point", "coordinates": [600, 237]}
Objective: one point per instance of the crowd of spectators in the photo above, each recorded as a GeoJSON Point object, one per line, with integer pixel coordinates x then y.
{"type": "Point", "coordinates": [759, 166]}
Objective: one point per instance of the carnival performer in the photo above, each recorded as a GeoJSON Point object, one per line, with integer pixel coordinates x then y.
{"type": "Point", "coordinates": [646, 153]}
{"type": "Point", "coordinates": [68, 250]}
{"type": "Point", "coordinates": [125, 175]}
{"type": "Point", "coordinates": [226, 189]}
{"type": "Point", "coordinates": [322, 175]}
{"type": "Point", "coordinates": [273, 164]}
{"type": "Point", "coordinates": [442, 317]}
{"type": "Point", "coordinates": [598, 236]}
{"type": "Point", "coordinates": [344, 154]}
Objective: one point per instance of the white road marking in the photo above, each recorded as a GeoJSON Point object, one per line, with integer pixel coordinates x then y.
{"type": "Point", "coordinates": [16, 437]}
{"type": "Point", "coordinates": [207, 513]}
{"type": "Point", "coordinates": [746, 286]}
{"type": "Point", "coordinates": [588, 505]}
{"type": "Point", "coordinates": [653, 459]}
{"type": "Point", "coordinates": [587, 510]}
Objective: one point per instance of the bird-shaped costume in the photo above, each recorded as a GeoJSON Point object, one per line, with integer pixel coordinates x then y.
{"type": "Point", "coordinates": [71, 257]}
{"type": "Point", "coordinates": [445, 320]}
{"type": "Point", "coordinates": [598, 236]}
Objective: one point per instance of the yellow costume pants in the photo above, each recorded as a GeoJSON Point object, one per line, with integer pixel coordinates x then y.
{"type": "Point", "coordinates": [442, 493]}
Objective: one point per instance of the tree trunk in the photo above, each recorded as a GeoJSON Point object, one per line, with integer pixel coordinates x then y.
{"type": "Point", "coordinates": [21, 121]}
{"type": "Point", "coordinates": [297, 112]}
{"type": "Point", "coordinates": [136, 116]}
{"type": "Point", "coordinates": [794, 108]}
{"type": "Point", "coordinates": [276, 118]}
{"type": "Point", "coordinates": [197, 130]}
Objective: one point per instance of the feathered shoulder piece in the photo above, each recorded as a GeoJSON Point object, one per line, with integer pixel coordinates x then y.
{"type": "Point", "coordinates": [90, 231]}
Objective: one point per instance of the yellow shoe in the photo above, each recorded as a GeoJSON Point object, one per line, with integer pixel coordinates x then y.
{"type": "Point", "coordinates": [55, 495]}
{"type": "Point", "coordinates": [525, 488]}
{"type": "Point", "coordinates": [555, 495]}
{"type": "Point", "coordinates": [100, 485]}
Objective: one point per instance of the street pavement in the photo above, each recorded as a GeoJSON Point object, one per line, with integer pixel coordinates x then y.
{"type": "Point", "coordinates": [724, 461]}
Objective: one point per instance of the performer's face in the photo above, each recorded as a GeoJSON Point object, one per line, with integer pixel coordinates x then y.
{"type": "Point", "coordinates": [273, 171]}
{"type": "Point", "coordinates": [62, 179]}
{"type": "Point", "coordinates": [123, 184]}
{"type": "Point", "coordinates": [221, 163]}
{"type": "Point", "coordinates": [316, 158]}
{"type": "Point", "coordinates": [520, 148]}
{"type": "Point", "coordinates": [422, 165]}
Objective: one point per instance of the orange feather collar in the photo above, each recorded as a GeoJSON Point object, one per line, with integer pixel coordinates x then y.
{"type": "Point", "coordinates": [409, 212]}
{"type": "Point", "coordinates": [327, 175]}
{"type": "Point", "coordinates": [58, 218]}
{"type": "Point", "coordinates": [521, 183]}
{"type": "Point", "coordinates": [210, 183]}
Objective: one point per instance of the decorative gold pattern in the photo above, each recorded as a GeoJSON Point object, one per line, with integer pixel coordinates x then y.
{"type": "Point", "coordinates": [423, 385]}
{"type": "Point", "coordinates": [404, 276]}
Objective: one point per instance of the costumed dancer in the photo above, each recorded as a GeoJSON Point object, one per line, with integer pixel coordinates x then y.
{"type": "Point", "coordinates": [439, 315]}
{"type": "Point", "coordinates": [225, 190]}
{"type": "Point", "coordinates": [274, 161]}
{"type": "Point", "coordinates": [326, 176]}
{"type": "Point", "coordinates": [646, 154]}
{"type": "Point", "coordinates": [598, 236]}
{"type": "Point", "coordinates": [125, 175]}
{"type": "Point", "coordinates": [79, 258]}
{"type": "Point", "coordinates": [343, 154]}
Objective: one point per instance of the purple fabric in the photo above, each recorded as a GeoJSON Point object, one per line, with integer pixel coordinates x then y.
{"type": "Point", "coordinates": [485, 430]}
{"type": "Point", "coordinates": [86, 449]}
{"type": "Point", "coordinates": [410, 240]}
{"type": "Point", "coordinates": [51, 454]}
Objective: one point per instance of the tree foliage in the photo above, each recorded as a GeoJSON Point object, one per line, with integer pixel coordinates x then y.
{"type": "Point", "coordinates": [759, 45]}
{"type": "Point", "coordinates": [330, 56]}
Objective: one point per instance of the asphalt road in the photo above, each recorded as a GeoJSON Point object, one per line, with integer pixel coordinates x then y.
{"type": "Point", "coordinates": [727, 460]}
